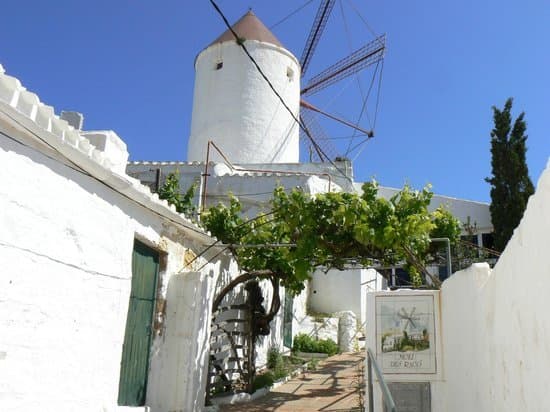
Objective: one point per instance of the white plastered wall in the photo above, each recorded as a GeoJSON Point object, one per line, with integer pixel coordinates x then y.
{"type": "Point", "coordinates": [466, 211]}
{"type": "Point", "coordinates": [316, 326]}
{"type": "Point", "coordinates": [496, 328]}
{"type": "Point", "coordinates": [235, 107]}
{"type": "Point", "coordinates": [65, 251]}
{"type": "Point", "coordinates": [340, 290]}
{"type": "Point", "coordinates": [275, 338]}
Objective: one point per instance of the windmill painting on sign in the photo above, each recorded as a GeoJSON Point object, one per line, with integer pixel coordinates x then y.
{"type": "Point", "coordinates": [405, 333]}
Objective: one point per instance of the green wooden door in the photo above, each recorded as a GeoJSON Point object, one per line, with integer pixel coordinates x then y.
{"type": "Point", "coordinates": [137, 339]}
{"type": "Point", "coordinates": [287, 320]}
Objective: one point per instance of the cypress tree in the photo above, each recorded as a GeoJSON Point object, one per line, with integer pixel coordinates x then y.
{"type": "Point", "coordinates": [510, 183]}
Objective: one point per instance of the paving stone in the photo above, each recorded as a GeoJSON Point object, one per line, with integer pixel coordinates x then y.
{"type": "Point", "coordinates": [334, 387]}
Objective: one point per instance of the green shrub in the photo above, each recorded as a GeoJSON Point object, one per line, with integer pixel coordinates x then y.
{"type": "Point", "coordinates": [293, 361]}
{"type": "Point", "coordinates": [274, 359]}
{"type": "Point", "coordinates": [280, 373]}
{"type": "Point", "coordinates": [277, 367]}
{"type": "Point", "coordinates": [305, 343]}
{"type": "Point", "coordinates": [263, 380]}
{"type": "Point", "coordinates": [312, 364]}
{"type": "Point", "coordinates": [327, 346]}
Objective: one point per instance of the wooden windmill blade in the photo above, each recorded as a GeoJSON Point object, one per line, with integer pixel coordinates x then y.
{"type": "Point", "coordinates": [313, 136]}
{"type": "Point", "coordinates": [321, 18]}
{"type": "Point", "coordinates": [367, 55]}
{"type": "Point", "coordinates": [309, 106]}
{"type": "Point", "coordinates": [321, 145]}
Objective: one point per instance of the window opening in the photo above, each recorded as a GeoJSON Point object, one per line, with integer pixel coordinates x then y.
{"type": "Point", "coordinates": [290, 74]}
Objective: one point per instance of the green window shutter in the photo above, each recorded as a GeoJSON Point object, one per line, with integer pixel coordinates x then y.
{"type": "Point", "coordinates": [137, 338]}
{"type": "Point", "coordinates": [287, 320]}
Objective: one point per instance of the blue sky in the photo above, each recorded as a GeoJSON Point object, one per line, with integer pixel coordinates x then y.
{"type": "Point", "coordinates": [128, 66]}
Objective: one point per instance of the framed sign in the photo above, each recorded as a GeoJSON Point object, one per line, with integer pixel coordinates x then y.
{"type": "Point", "coordinates": [406, 332]}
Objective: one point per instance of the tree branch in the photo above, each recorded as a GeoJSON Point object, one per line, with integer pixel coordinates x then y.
{"type": "Point", "coordinates": [262, 274]}
{"type": "Point", "coordinates": [420, 267]}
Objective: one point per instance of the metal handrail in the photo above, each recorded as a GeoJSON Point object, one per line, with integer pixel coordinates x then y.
{"type": "Point", "coordinates": [448, 243]}
{"type": "Point", "coordinates": [388, 399]}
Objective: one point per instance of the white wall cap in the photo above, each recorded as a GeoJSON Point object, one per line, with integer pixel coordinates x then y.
{"type": "Point", "coordinates": [221, 169]}
{"type": "Point", "coordinates": [478, 273]}
{"type": "Point", "coordinates": [72, 137]}
{"type": "Point", "coordinates": [44, 116]}
{"type": "Point", "coordinates": [315, 185]}
{"type": "Point", "coordinates": [104, 138]}
{"type": "Point", "coordinates": [28, 103]}
{"type": "Point", "coordinates": [59, 127]}
{"type": "Point", "coordinates": [70, 144]}
{"type": "Point", "coordinates": [98, 156]}
{"type": "Point", "coordinates": [164, 163]}
{"type": "Point", "coordinates": [112, 146]}
{"type": "Point", "coordinates": [84, 145]}
{"type": "Point", "coordinates": [9, 89]}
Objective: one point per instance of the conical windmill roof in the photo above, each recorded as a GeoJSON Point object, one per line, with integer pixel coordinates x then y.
{"type": "Point", "coordinates": [249, 27]}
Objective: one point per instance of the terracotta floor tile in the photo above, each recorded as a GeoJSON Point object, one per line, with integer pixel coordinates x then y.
{"type": "Point", "coordinates": [333, 387]}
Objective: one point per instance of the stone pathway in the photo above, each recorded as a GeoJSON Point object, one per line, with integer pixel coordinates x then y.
{"type": "Point", "coordinates": [336, 385]}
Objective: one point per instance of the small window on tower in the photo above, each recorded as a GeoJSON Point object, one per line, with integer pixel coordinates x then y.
{"type": "Point", "coordinates": [219, 65]}
{"type": "Point", "coordinates": [290, 74]}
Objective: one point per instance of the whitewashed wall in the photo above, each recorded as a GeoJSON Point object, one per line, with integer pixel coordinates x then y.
{"type": "Point", "coordinates": [275, 338]}
{"type": "Point", "coordinates": [66, 245]}
{"type": "Point", "coordinates": [340, 290]}
{"type": "Point", "coordinates": [496, 328]}
{"type": "Point", "coordinates": [315, 326]}
{"type": "Point", "coordinates": [467, 211]}
{"type": "Point", "coordinates": [268, 175]}
{"type": "Point", "coordinates": [236, 108]}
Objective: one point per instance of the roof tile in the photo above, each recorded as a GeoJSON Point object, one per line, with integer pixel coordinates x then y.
{"type": "Point", "coordinates": [249, 27]}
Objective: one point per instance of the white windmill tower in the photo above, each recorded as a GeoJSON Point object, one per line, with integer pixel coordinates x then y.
{"type": "Point", "coordinates": [237, 109]}
{"type": "Point", "coordinates": [234, 107]}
